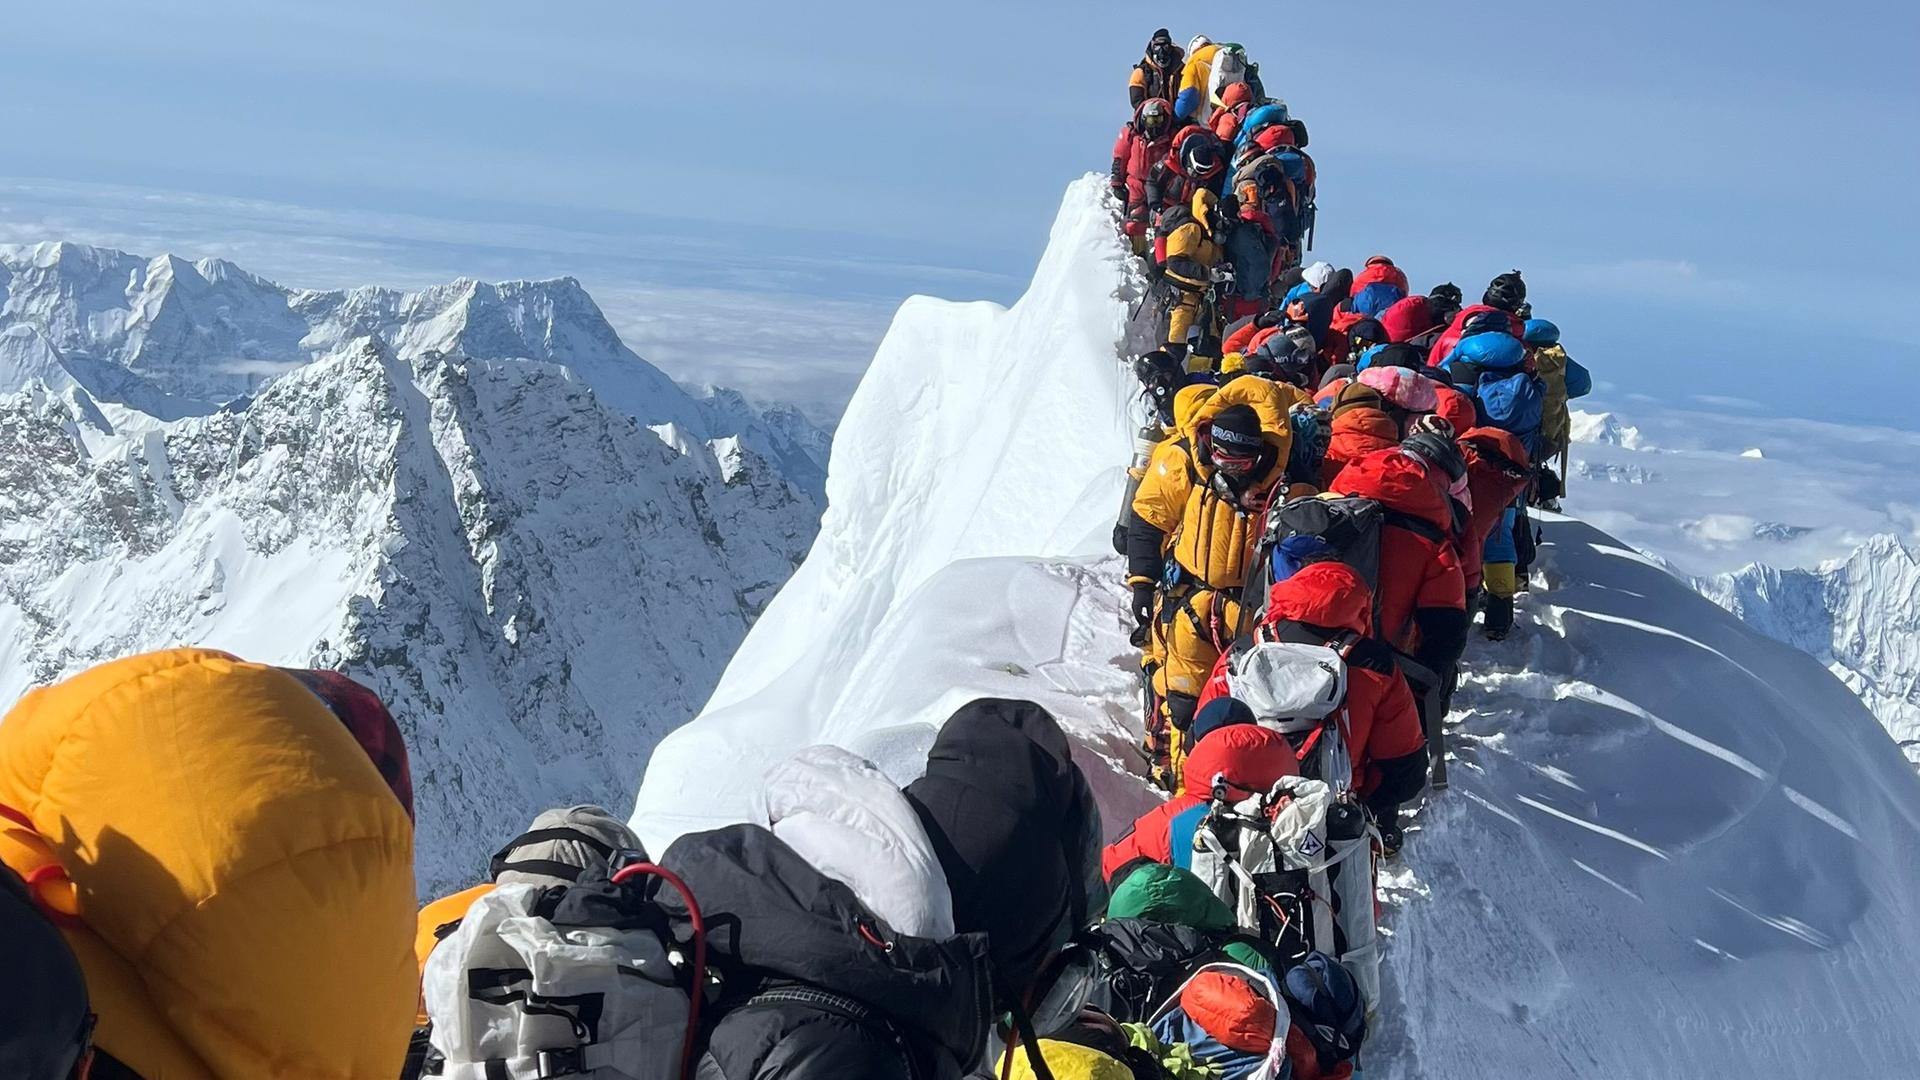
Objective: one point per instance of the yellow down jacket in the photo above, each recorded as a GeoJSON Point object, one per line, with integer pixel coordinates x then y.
{"type": "Point", "coordinates": [1207, 534]}
{"type": "Point", "coordinates": [239, 876]}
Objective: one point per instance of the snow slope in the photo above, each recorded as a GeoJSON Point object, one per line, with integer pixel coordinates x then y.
{"type": "Point", "coordinates": [1674, 847]}
{"type": "Point", "coordinates": [1760, 519]}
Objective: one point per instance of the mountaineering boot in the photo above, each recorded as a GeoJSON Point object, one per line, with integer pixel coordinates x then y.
{"type": "Point", "coordinates": [1392, 837]}
{"type": "Point", "coordinates": [1499, 617]}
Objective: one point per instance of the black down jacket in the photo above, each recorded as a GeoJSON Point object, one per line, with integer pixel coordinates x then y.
{"type": "Point", "coordinates": [816, 986]}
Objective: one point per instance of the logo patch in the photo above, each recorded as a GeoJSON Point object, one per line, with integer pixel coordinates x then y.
{"type": "Point", "coordinates": [1309, 845]}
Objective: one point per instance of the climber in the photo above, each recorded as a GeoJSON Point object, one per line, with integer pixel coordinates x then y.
{"type": "Point", "coordinates": [1498, 471]}
{"type": "Point", "coordinates": [1191, 254]}
{"type": "Point", "coordinates": [1504, 295]}
{"type": "Point", "coordinates": [1196, 77]}
{"type": "Point", "coordinates": [1194, 162]}
{"type": "Point", "coordinates": [1157, 75]}
{"type": "Point", "coordinates": [1379, 285]}
{"type": "Point", "coordinates": [1422, 597]}
{"type": "Point", "coordinates": [1236, 101]}
{"type": "Point", "coordinates": [1443, 303]}
{"type": "Point", "coordinates": [1450, 402]}
{"type": "Point", "coordinates": [46, 1023]}
{"type": "Point", "coordinates": [1143, 142]}
{"type": "Point", "coordinates": [1410, 321]}
{"type": "Point", "coordinates": [997, 842]}
{"type": "Point", "coordinates": [1256, 245]}
{"type": "Point", "coordinates": [1226, 742]}
{"type": "Point", "coordinates": [1328, 603]}
{"type": "Point", "coordinates": [1194, 521]}
{"type": "Point", "coordinates": [1364, 421]}
{"type": "Point", "coordinates": [1565, 380]}
{"type": "Point", "coordinates": [224, 856]}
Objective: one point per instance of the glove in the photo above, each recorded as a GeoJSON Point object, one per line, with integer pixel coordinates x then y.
{"type": "Point", "coordinates": [1270, 318]}
{"type": "Point", "coordinates": [1221, 275]}
{"type": "Point", "coordinates": [1143, 594]}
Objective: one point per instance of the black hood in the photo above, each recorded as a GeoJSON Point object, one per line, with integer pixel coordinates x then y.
{"type": "Point", "coordinates": [1017, 832]}
{"type": "Point", "coordinates": [769, 909]}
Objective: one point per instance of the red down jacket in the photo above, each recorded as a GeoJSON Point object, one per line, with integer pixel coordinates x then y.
{"type": "Point", "coordinates": [1418, 571]}
{"type": "Point", "coordinates": [1135, 152]}
{"type": "Point", "coordinates": [1252, 757]}
{"type": "Point", "coordinates": [1382, 722]}
{"type": "Point", "coordinates": [1444, 344]}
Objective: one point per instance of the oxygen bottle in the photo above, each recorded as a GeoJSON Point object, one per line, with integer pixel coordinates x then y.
{"type": "Point", "coordinates": [1144, 441]}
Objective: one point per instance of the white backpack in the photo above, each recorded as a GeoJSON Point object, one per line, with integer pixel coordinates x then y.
{"type": "Point", "coordinates": [515, 996]}
{"type": "Point", "coordinates": [1295, 689]}
{"type": "Point", "coordinates": [1295, 866]}
{"type": "Point", "coordinates": [1229, 67]}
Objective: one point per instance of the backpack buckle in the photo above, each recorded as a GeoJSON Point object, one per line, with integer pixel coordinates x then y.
{"type": "Point", "coordinates": [552, 1064]}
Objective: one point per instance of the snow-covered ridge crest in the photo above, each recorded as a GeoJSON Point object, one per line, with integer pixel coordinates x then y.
{"type": "Point", "coordinates": [979, 464]}
{"type": "Point", "coordinates": [1673, 845]}
{"type": "Point", "coordinates": [537, 585]}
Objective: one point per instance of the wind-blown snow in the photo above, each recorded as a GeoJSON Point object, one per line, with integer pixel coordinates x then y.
{"type": "Point", "coordinates": [1674, 847]}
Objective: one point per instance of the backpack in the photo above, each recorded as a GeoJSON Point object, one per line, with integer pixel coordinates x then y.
{"type": "Point", "coordinates": [1138, 963]}
{"type": "Point", "coordinates": [1295, 865]}
{"type": "Point", "coordinates": [1312, 530]}
{"type": "Point", "coordinates": [1514, 401]}
{"type": "Point", "coordinates": [1174, 1025]}
{"type": "Point", "coordinates": [1172, 217]}
{"type": "Point", "coordinates": [587, 980]}
{"type": "Point", "coordinates": [1229, 67]}
{"type": "Point", "coordinates": [1299, 690]}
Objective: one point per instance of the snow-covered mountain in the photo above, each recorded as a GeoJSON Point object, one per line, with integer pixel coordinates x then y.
{"type": "Point", "coordinates": [172, 338]}
{"type": "Point", "coordinates": [535, 546]}
{"type": "Point", "coordinates": [1859, 615]}
{"type": "Point", "coordinates": [1759, 519]}
{"type": "Point", "coordinates": [1673, 847]}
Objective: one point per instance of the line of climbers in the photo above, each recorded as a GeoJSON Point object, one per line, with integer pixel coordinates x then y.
{"type": "Point", "coordinates": [1333, 482]}
{"type": "Point", "coordinates": [206, 871]}
{"type": "Point", "coordinates": [1213, 179]}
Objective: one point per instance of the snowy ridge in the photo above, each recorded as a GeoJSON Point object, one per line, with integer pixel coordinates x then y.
{"type": "Point", "coordinates": [1674, 846]}
{"type": "Point", "coordinates": [968, 484]}
{"type": "Point", "coordinates": [1860, 616]}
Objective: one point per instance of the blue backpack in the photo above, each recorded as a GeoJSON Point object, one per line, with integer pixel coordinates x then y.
{"type": "Point", "coordinates": [1514, 401]}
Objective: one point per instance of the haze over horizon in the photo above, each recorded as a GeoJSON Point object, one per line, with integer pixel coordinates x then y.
{"type": "Point", "coordinates": [1735, 209]}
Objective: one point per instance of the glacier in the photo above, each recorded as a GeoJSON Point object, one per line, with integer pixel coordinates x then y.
{"type": "Point", "coordinates": [1673, 846]}
{"type": "Point", "coordinates": [473, 498]}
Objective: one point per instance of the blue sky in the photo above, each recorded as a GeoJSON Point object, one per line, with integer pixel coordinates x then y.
{"type": "Point", "coordinates": [1712, 200]}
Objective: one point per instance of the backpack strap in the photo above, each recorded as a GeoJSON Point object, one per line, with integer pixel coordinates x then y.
{"type": "Point", "coordinates": [1419, 526]}
{"type": "Point", "coordinates": [549, 867]}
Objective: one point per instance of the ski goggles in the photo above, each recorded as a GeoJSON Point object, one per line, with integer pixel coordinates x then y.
{"type": "Point", "coordinates": [1234, 462]}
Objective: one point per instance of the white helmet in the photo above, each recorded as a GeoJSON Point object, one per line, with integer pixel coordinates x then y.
{"type": "Point", "coordinates": [1198, 41]}
{"type": "Point", "coordinates": [1317, 275]}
